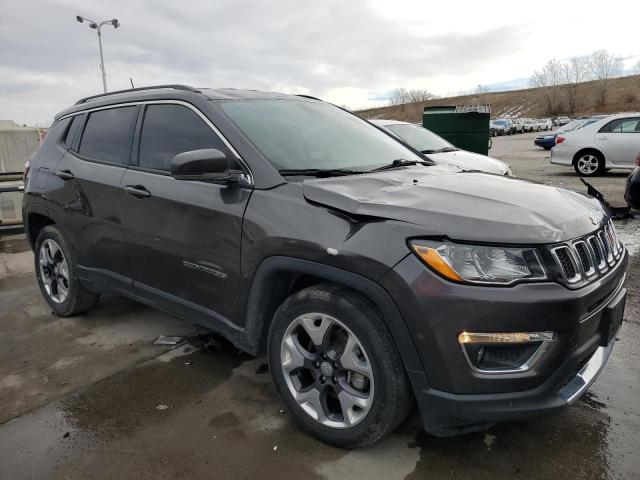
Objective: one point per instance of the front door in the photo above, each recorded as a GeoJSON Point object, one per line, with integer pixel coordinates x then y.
{"type": "Point", "coordinates": [620, 141]}
{"type": "Point", "coordinates": [183, 237]}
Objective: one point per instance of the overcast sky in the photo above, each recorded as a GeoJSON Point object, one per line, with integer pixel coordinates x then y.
{"type": "Point", "coordinates": [348, 52]}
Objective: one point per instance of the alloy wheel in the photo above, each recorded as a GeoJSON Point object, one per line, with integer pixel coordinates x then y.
{"type": "Point", "coordinates": [327, 370]}
{"type": "Point", "coordinates": [54, 271]}
{"type": "Point", "coordinates": [588, 164]}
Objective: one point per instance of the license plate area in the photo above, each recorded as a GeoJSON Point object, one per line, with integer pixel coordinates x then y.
{"type": "Point", "coordinates": [612, 317]}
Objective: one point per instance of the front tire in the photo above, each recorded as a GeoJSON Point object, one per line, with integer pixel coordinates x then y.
{"type": "Point", "coordinates": [56, 271]}
{"type": "Point", "coordinates": [589, 164]}
{"type": "Point", "coordinates": [336, 367]}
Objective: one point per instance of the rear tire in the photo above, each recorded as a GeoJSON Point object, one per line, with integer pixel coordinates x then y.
{"type": "Point", "coordinates": [57, 273]}
{"type": "Point", "coordinates": [589, 163]}
{"type": "Point", "coordinates": [336, 367]}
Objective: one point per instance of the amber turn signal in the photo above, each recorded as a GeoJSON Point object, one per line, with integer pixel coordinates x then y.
{"type": "Point", "coordinates": [432, 258]}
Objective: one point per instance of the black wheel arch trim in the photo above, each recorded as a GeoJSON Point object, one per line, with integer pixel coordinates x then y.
{"type": "Point", "coordinates": [256, 323]}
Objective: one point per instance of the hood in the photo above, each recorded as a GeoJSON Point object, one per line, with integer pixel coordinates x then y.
{"type": "Point", "coordinates": [463, 205]}
{"type": "Point", "coordinates": [470, 161]}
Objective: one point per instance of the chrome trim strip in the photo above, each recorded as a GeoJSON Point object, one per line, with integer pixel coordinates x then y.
{"type": "Point", "coordinates": [590, 257]}
{"type": "Point", "coordinates": [545, 345]}
{"type": "Point", "coordinates": [587, 375]}
{"type": "Point", "coordinates": [576, 278]}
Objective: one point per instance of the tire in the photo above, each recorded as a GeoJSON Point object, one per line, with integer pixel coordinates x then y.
{"type": "Point", "coordinates": [337, 318]}
{"type": "Point", "coordinates": [56, 270]}
{"type": "Point", "coordinates": [589, 163]}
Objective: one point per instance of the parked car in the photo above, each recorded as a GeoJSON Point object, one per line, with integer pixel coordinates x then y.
{"type": "Point", "coordinates": [544, 124]}
{"type": "Point", "coordinates": [548, 140]}
{"type": "Point", "coordinates": [610, 142]}
{"type": "Point", "coordinates": [502, 126]}
{"type": "Point", "coordinates": [370, 278]}
{"type": "Point", "coordinates": [518, 125]}
{"type": "Point", "coordinates": [529, 125]}
{"type": "Point", "coordinates": [441, 151]}
{"type": "Point", "coordinates": [562, 121]}
{"type": "Point", "coordinates": [632, 192]}
{"type": "Point", "coordinates": [492, 129]}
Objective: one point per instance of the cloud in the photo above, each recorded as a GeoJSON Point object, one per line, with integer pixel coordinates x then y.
{"type": "Point", "coordinates": [350, 53]}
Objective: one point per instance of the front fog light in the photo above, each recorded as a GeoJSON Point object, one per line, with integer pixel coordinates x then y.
{"type": "Point", "coordinates": [504, 352]}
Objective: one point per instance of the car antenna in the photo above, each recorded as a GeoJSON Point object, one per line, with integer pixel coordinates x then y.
{"type": "Point", "coordinates": [131, 81]}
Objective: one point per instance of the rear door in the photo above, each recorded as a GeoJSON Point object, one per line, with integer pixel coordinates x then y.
{"type": "Point", "coordinates": [620, 141]}
{"type": "Point", "coordinates": [183, 237]}
{"type": "Point", "coordinates": [89, 194]}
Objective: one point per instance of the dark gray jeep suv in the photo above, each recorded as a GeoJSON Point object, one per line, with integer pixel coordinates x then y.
{"type": "Point", "coordinates": [369, 277]}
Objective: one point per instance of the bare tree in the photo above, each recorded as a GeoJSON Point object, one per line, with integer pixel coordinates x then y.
{"type": "Point", "coordinates": [401, 96]}
{"type": "Point", "coordinates": [604, 66]}
{"type": "Point", "coordinates": [574, 71]}
{"type": "Point", "coordinates": [549, 79]}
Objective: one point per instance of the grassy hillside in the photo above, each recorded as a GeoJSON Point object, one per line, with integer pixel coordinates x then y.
{"type": "Point", "coordinates": [623, 95]}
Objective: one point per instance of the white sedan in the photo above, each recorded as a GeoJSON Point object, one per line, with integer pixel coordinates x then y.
{"type": "Point", "coordinates": [610, 142]}
{"type": "Point", "coordinates": [441, 151]}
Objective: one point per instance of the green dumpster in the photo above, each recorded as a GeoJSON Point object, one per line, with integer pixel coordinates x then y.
{"type": "Point", "coordinates": [465, 127]}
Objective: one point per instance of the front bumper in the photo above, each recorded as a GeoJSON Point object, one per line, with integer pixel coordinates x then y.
{"type": "Point", "coordinates": [451, 395]}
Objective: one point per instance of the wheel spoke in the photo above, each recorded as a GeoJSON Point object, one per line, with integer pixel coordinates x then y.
{"type": "Point", "coordinates": [311, 402]}
{"type": "Point", "coordinates": [63, 269]}
{"type": "Point", "coordinates": [316, 332]}
{"type": "Point", "coordinates": [292, 356]}
{"type": "Point", "coordinates": [352, 406]}
{"type": "Point", "coordinates": [350, 361]}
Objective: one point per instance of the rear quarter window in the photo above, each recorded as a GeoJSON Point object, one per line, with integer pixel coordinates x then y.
{"type": "Point", "coordinates": [108, 134]}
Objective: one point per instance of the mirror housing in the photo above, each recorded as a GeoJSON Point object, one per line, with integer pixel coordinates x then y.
{"type": "Point", "coordinates": [205, 165]}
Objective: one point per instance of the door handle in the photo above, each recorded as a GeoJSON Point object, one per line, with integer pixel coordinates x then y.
{"type": "Point", "coordinates": [137, 191]}
{"type": "Point", "coordinates": [603, 138]}
{"type": "Point", "coordinates": [65, 175]}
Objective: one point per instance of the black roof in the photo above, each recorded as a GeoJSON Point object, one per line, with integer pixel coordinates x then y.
{"type": "Point", "coordinates": [175, 92]}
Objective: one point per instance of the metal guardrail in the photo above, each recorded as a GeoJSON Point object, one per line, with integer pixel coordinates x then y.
{"type": "Point", "coordinates": [10, 224]}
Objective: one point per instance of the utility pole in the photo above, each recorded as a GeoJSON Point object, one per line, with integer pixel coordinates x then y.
{"type": "Point", "coordinates": [98, 26]}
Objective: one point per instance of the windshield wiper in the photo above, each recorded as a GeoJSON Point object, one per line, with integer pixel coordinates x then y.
{"type": "Point", "coordinates": [400, 162]}
{"type": "Point", "coordinates": [318, 172]}
{"type": "Point", "coordinates": [440, 150]}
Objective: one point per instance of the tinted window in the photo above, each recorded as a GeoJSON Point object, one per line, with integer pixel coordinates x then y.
{"type": "Point", "coordinates": [622, 125]}
{"type": "Point", "coordinates": [107, 135]}
{"type": "Point", "coordinates": [171, 129]}
{"type": "Point", "coordinates": [71, 132]}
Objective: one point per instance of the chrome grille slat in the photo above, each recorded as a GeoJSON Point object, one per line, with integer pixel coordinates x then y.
{"type": "Point", "coordinates": [583, 259]}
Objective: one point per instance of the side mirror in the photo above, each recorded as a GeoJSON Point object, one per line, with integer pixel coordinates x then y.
{"type": "Point", "coordinates": [205, 165]}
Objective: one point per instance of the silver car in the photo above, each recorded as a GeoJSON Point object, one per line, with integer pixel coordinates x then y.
{"type": "Point", "coordinates": [441, 151]}
{"type": "Point", "coordinates": [610, 142]}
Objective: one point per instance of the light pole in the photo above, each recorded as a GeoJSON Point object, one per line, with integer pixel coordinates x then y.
{"type": "Point", "coordinates": [97, 26]}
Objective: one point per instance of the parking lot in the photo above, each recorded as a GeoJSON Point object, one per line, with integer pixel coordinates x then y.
{"type": "Point", "coordinates": [93, 397]}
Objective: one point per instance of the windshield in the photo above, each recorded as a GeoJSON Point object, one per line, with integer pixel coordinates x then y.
{"type": "Point", "coordinates": [500, 122]}
{"type": "Point", "coordinates": [299, 134]}
{"type": "Point", "coordinates": [420, 138]}
{"type": "Point", "coordinates": [571, 126]}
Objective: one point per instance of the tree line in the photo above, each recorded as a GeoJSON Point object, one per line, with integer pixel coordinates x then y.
{"type": "Point", "coordinates": [560, 80]}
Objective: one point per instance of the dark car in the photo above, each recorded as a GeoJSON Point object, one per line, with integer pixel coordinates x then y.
{"type": "Point", "coordinates": [369, 277]}
{"type": "Point", "coordinates": [546, 140]}
{"type": "Point", "coordinates": [632, 192]}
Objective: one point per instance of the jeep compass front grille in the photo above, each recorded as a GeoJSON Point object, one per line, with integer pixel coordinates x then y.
{"type": "Point", "coordinates": [584, 259]}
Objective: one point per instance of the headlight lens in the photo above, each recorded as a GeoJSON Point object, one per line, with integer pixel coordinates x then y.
{"type": "Point", "coordinates": [480, 264]}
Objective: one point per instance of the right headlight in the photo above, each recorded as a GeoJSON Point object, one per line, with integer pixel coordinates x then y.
{"type": "Point", "coordinates": [480, 264]}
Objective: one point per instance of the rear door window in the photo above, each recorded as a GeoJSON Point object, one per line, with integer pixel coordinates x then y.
{"type": "Point", "coordinates": [170, 129]}
{"type": "Point", "coordinates": [73, 129]}
{"type": "Point", "coordinates": [622, 125]}
{"type": "Point", "coordinates": [107, 135]}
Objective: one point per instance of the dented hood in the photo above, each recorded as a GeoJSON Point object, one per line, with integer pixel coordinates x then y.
{"type": "Point", "coordinates": [442, 200]}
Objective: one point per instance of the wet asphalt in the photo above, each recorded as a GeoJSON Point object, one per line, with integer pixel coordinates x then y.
{"type": "Point", "coordinates": [93, 397]}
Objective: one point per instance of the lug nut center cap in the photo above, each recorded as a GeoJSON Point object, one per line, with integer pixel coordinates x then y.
{"type": "Point", "coordinates": [326, 369]}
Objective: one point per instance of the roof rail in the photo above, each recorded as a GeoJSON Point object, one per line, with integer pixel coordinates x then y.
{"type": "Point", "coordinates": [153, 87]}
{"type": "Point", "coordinates": [308, 96]}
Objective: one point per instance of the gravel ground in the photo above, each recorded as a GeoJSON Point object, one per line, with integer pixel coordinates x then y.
{"type": "Point", "coordinates": [92, 397]}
